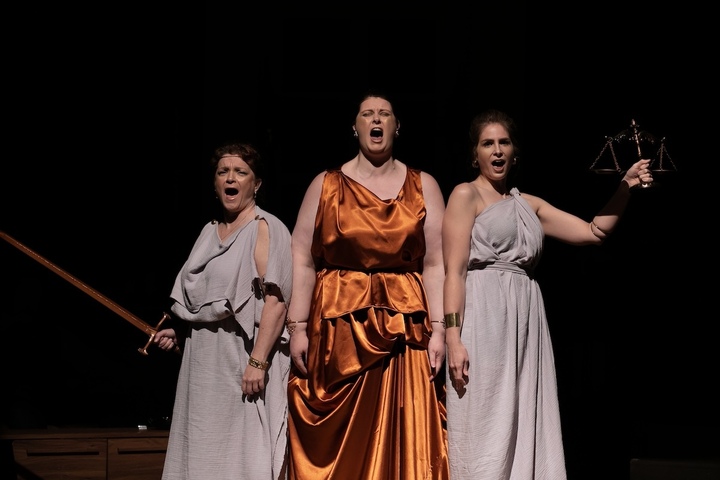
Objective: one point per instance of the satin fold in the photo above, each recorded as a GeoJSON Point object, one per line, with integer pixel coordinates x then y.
{"type": "Point", "coordinates": [367, 410]}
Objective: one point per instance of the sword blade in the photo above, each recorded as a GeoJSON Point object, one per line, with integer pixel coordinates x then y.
{"type": "Point", "coordinates": [137, 322]}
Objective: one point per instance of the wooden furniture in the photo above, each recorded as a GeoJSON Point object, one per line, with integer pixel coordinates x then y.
{"type": "Point", "coordinates": [88, 453]}
{"type": "Point", "coordinates": [667, 469]}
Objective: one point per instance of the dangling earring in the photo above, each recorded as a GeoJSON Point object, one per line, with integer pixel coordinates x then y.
{"type": "Point", "coordinates": [515, 160]}
{"type": "Point", "coordinates": [397, 132]}
{"type": "Point", "coordinates": [255, 195]}
{"type": "Point", "coordinates": [475, 163]}
{"type": "Point", "coordinates": [355, 134]}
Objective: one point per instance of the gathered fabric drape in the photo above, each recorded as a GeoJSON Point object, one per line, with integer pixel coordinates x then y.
{"type": "Point", "coordinates": [366, 410]}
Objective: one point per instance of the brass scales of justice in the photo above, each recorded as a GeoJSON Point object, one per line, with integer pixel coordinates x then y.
{"type": "Point", "coordinates": [630, 142]}
{"type": "Point", "coordinates": [129, 317]}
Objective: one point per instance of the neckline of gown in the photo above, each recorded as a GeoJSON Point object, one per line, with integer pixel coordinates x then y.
{"type": "Point", "coordinates": [395, 198]}
{"type": "Point", "coordinates": [230, 239]}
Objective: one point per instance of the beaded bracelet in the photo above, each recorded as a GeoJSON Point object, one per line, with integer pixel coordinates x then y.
{"type": "Point", "coordinates": [254, 362]}
{"type": "Point", "coordinates": [291, 325]}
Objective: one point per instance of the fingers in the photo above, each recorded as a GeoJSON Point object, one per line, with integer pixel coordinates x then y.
{"type": "Point", "coordinates": [165, 339]}
{"type": "Point", "coordinates": [252, 387]}
{"type": "Point", "coordinates": [165, 343]}
{"type": "Point", "coordinates": [300, 365]}
{"type": "Point", "coordinates": [437, 361]}
{"type": "Point", "coordinates": [460, 383]}
{"type": "Point", "coordinates": [433, 374]}
{"type": "Point", "coordinates": [252, 383]}
{"type": "Point", "coordinates": [459, 376]}
{"type": "Point", "coordinates": [645, 175]}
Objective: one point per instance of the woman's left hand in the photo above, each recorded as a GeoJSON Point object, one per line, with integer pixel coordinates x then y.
{"type": "Point", "coordinates": [253, 380]}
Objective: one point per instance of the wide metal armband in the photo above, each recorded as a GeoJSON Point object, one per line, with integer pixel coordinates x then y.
{"type": "Point", "coordinates": [451, 320]}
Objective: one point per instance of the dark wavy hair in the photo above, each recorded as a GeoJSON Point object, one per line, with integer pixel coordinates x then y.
{"type": "Point", "coordinates": [379, 93]}
{"type": "Point", "coordinates": [248, 153]}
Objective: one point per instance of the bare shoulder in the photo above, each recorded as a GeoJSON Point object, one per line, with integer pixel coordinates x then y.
{"type": "Point", "coordinates": [309, 204]}
{"type": "Point", "coordinates": [534, 201]}
{"type": "Point", "coordinates": [432, 193]}
{"type": "Point", "coordinates": [313, 190]}
{"type": "Point", "coordinates": [464, 198]}
{"type": "Point", "coordinates": [428, 181]}
{"type": "Point", "coordinates": [318, 179]}
{"type": "Point", "coordinates": [464, 191]}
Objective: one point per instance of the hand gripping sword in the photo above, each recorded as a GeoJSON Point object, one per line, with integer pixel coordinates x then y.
{"type": "Point", "coordinates": [151, 331]}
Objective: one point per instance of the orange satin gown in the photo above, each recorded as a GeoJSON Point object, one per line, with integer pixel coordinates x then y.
{"type": "Point", "coordinates": [366, 410]}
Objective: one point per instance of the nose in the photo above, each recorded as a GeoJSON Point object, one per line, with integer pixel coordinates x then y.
{"type": "Point", "coordinates": [497, 151]}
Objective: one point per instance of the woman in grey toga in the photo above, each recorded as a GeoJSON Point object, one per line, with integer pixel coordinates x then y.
{"type": "Point", "coordinates": [230, 415]}
{"type": "Point", "coordinates": [502, 402]}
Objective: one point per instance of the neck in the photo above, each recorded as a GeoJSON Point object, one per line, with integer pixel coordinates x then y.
{"type": "Point", "coordinates": [500, 186]}
{"type": "Point", "coordinates": [235, 218]}
{"type": "Point", "coordinates": [366, 166]}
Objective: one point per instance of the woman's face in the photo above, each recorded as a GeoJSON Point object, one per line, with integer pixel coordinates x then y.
{"type": "Point", "coordinates": [235, 183]}
{"type": "Point", "coordinates": [495, 152]}
{"type": "Point", "coordinates": [376, 125]}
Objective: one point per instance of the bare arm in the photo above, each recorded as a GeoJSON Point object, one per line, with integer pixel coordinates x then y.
{"type": "Point", "coordinates": [457, 230]}
{"type": "Point", "coordinates": [433, 269]}
{"type": "Point", "coordinates": [576, 231]}
{"type": "Point", "coordinates": [271, 321]}
{"type": "Point", "coordinates": [304, 274]}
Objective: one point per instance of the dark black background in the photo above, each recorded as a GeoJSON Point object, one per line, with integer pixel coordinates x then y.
{"type": "Point", "coordinates": [111, 114]}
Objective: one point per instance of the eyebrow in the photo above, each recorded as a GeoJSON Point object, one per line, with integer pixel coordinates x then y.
{"type": "Point", "coordinates": [379, 110]}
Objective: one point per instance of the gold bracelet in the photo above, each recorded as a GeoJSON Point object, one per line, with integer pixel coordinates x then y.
{"type": "Point", "coordinates": [451, 320]}
{"type": "Point", "coordinates": [291, 325]}
{"type": "Point", "coordinates": [254, 362]}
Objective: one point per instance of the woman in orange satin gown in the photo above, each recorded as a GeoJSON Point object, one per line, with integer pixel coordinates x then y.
{"type": "Point", "coordinates": [366, 337]}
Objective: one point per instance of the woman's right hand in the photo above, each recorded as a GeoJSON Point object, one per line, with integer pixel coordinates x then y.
{"type": "Point", "coordinates": [166, 339]}
{"type": "Point", "coordinates": [458, 363]}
